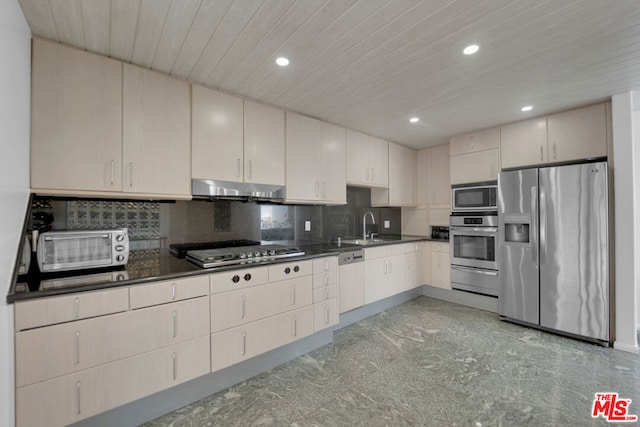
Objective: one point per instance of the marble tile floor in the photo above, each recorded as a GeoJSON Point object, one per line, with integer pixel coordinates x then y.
{"type": "Point", "coordinates": [428, 363]}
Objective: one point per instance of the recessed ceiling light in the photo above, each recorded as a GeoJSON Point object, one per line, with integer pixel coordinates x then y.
{"type": "Point", "coordinates": [527, 108]}
{"type": "Point", "coordinates": [414, 120]}
{"type": "Point", "coordinates": [471, 49]}
{"type": "Point", "coordinates": [282, 61]}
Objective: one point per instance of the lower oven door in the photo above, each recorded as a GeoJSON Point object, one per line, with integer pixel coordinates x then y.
{"type": "Point", "coordinates": [476, 280]}
{"type": "Point", "coordinates": [474, 247]}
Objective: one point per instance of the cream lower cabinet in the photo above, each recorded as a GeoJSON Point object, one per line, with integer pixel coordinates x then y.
{"type": "Point", "coordinates": [414, 256]}
{"type": "Point", "coordinates": [71, 398]}
{"type": "Point", "coordinates": [325, 296]}
{"type": "Point", "coordinates": [440, 265]}
{"type": "Point", "coordinates": [384, 272]}
{"type": "Point", "coordinates": [237, 344]}
{"type": "Point", "coordinates": [78, 369]}
{"type": "Point", "coordinates": [258, 309]}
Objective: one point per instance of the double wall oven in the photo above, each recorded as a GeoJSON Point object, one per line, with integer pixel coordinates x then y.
{"type": "Point", "coordinates": [474, 239]}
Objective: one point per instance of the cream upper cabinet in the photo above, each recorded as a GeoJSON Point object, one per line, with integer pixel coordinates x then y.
{"type": "Point", "coordinates": [263, 144]}
{"type": "Point", "coordinates": [475, 157]}
{"type": "Point", "coordinates": [578, 134]}
{"type": "Point", "coordinates": [236, 140]}
{"type": "Point", "coordinates": [571, 135]}
{"type": "Point", "coordinates": [76, 123]}
{"type": "Point", "coordinates": [524, 143]}
{"type": "Point", "coordinates": [440, 175]}
{"type": "Point", "coordinates": [475, 141]}
{"type": "Point", "coordinates": [155, 133]}
{"type": "Point", "coordinates": [333, 161]}
{"type": "Point", "coordinates": [475, 167]}
{"type": "Point", "coordinates": [217, 123]}
{"type": "Point", "coordinates": [434, 185]}
{"type": "Point", "coordinates": [402, 179]}
{"type": "Point", "coordinates": [367, 160]}
{"type": "Point", "coordinates": [315, 161]}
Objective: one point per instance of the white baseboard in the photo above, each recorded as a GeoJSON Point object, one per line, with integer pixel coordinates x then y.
{"type": "Point", "coordinates": [626, 347]}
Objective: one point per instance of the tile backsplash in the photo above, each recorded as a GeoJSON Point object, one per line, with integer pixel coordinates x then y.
{"type": "Point", "coordinates": [153, 225]}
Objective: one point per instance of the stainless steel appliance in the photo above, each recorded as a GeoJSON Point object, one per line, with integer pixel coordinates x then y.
{"type": "Point", "coordinates": [351, 272]}
{"type": "Point", "coordinates": [210, 258]}
{"type": "Point", "coordinates": [78, 250]}
{"type": "Point", "coordinates": [554, 269]}
{"type": "Point", "coordinates": [474, 197]}
{"type": "Point", "coordinates": [208, 188]}
{"type": "Point", "coordinates": [473, 245]}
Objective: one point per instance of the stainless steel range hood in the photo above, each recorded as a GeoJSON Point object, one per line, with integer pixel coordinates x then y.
{"type": "Point", "coordinates": [208, 188]}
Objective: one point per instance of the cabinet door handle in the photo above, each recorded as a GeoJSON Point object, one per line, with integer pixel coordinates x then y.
{"type": "Point", "coordinates": [294, 326]}
{"type": "Point", "coordinates": [76, 308]}
{"type": "Point", "coordinates": [541, 158]}
{"type": "Point", "coordinates": [244, 343]}
{"type": "Point", "coordinates": [326, 293]}
{"type": "Point", "coordinates": [242, 307]}
{"type": "Point", "coordinates": [326, 279]}
{"type": "Point", "coordinates": [250, 169]}
{"type": "Point", "coordinates": [175, 323]}
{"type": "Point", "coordinates": [555, 152]}
{"type": "Point", "coordinates": [324, 189]}
{"type": "Point", "coordinates": [373, 173]}
{"type": "Point", "coordinates": [77, 349]}
{"type": "Point", "coordinates": [317, 188]}
{"type": "Point", "coordinates": [384, 267]}
{"type": "Point", "coordinates": [390, 267]}
{"type": "Point", "coordinates": [130, 174]}
{"type": "Point", "coordinates": [175, 365]}
{"type": "Point", "coordinates": [173, 290]}
{"type": "Point", "coordinates": [78, 408]}
{"type": "Point", "coordinates": [239, 168]}
{"type": "Point", "coordinates": [366, 173]}
{"type": "Point", "coordinates": [326, 314]}
{"type": "Point", "coordinates": [326, 265]}
{"type": "Point", "coordinates": [113, 167]}
{"type": "Point", "coordinates": [293, 294]}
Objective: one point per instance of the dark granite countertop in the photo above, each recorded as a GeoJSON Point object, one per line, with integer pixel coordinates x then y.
{"type": "Point", "coordinates": [164, 266]}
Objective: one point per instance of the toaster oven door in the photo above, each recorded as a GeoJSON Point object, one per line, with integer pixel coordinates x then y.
{"type": "Point", "coordinates": [74, 251]}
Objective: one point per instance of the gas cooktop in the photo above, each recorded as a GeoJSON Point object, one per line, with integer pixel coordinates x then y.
{"type": "Point", "coordinates": [210, 258]}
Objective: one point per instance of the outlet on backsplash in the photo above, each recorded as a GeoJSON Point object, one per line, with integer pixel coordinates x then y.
{"type": "Point", "coordinates": [307, 226]}
{"type": "Point", "coordinates": [387, 224]}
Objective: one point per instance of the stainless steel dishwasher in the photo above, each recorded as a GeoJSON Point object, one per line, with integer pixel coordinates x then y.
{"type": "Point", "coordinates": [351, 279]}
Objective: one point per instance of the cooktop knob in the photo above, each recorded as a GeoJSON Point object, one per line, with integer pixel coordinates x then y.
{"type": "Point", "coordinates": [258, 253]}
{"type": "Point", "coordinates": [243, 256]}
{"type": "Point", "coordinates": [250, 255]}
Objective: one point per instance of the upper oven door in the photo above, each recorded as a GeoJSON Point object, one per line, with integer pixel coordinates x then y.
{"type": "Point", "coordinates": [474, 198]}
{"type": "Point", "coordinates": [474, 247]}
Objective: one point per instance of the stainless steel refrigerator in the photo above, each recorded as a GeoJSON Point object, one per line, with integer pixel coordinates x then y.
{"type": "Point", "coordinates": [554, 255]}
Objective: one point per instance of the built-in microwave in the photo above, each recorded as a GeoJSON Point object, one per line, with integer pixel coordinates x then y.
{"type": "Point", "coordinates": [82, 249]}
{"type": "Point", "coordinates": [474, 197]}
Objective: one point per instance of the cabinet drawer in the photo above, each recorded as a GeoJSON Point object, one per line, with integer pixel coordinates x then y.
{"type": "Point", "coordinates": [242, 306]}
{"type": "Point", "coordinates": [74, 397]}
{"type": "Point", "coordinates": [440, 247]}
{"type": "Point", "coordinates": [413, 247]}
{"type": "Point", "coordinates": [82, 305]}
{"type": "Point", "coordinates": [325, 279]}
{"type": "Point", "coordinates": [236, 279]}
{"type": "Point", "coordinates": [325, 314]}
{"type": "Point", "coordinates": [373, 253]}
{"type": "Point", "coordinates": [168, 291]}
{"type": "Point", "coordinates": [235, 345]}
{"type": "Point", "coordinates": [325, 293]}
{"type": "Point", "coordinates": [321, 265]}
{"type": "Point", "coordinates": [289, 270]}
{"type": "Point", "coordinates": [52, 351]}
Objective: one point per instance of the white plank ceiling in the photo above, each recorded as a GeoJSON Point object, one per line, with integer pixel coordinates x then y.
{"type": "Point", "coordinates": [370, 65]}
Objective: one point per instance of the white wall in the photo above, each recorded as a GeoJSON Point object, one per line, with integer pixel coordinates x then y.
{"type": "Point", "coordinates": [636, 141]}
{"type": "Point", "coordinates": [627, 227]}
{"type": "Point", "coordinates": [15, 81]}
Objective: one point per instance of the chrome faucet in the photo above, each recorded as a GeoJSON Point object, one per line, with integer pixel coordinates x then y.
{"type": "Point", "coordinates": [364, 223]}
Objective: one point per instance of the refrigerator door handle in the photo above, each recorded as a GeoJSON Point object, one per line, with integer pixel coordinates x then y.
{"type": "Point", "coordinates": [534, 232]}
{"type": "Point", "coordinates": [543, 226]}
